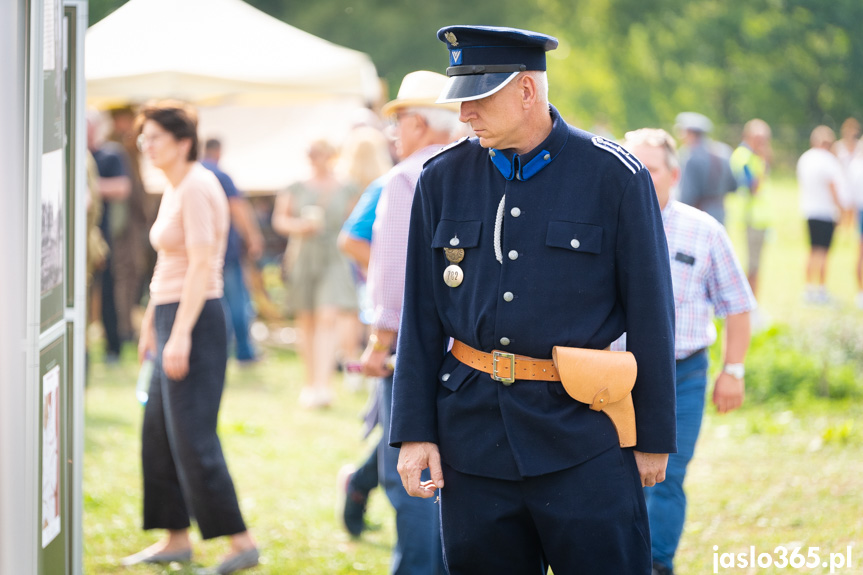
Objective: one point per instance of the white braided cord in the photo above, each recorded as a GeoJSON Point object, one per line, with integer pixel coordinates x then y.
{"type": "Point", "coordinates": [498, 225]}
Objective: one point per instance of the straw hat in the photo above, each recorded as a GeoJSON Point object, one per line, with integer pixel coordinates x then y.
{"type": "Point", "coordinates": [419, 89]}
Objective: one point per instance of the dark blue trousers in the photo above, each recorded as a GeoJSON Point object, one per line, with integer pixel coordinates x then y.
{"type": "Point", "coordinates": [109, 310]}
{"type": "Point", "coordinates": [365, 478]}
{"type": "Point", "coordinates": [185, 474]}
{"type": "Point", "coordinates": [586, 520]}
{"type": "Point", "coordinates": [239, 310]}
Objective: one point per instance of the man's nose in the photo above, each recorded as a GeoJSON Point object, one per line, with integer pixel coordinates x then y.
{"type": "Point", "coordinates": [466, 112]}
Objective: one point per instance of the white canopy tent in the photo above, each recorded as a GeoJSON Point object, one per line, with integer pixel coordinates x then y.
{"type": "Point", "coordinates": [265, 88]}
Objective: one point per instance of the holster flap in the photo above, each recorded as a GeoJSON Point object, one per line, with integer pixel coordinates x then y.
{"type": "Point", "coordinates": [603, 380]}
{"type": "Point", "coordinates": [594, 376]}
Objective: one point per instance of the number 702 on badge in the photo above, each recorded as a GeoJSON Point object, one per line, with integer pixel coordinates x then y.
{"type": "Point", "coordinates": [782, 558]}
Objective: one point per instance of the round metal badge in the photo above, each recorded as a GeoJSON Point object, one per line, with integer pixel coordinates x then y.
{"type": "Point", "coordinates": [454, 255]}
{"type": "Point", "coordinates": [453, 276]}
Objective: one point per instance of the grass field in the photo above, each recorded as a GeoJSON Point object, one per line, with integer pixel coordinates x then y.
{"type": "Point", "coordinates": [787, 473]}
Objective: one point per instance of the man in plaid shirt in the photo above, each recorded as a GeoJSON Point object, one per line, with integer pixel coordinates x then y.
{"type": "Point", "coordinates": [707, 280]}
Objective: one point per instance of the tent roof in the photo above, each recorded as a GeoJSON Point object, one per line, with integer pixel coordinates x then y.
{"type": "Point", "coordinates": [213, 52]}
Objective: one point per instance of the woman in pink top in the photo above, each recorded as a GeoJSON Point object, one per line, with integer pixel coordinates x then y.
{"type": "Point", "coordinates": [184, 332]}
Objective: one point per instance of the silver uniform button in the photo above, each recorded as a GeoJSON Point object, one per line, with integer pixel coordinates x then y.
{"type": "Point", "coordinates": [513, 255]}
{"type": "Point", "coordinates": [507, 296]}
{"type": "Point", "coordinates": [546, 157]}
{"type": "Point", "coordinates": [453, 242]}
{"type": "Point", "coordinates": [491, 153]}
{"type": "Point", "coordinates": [575, 244]}
{"type": "Point", "coordinates": [515, 212]}
{"type": "Point", "coordinates": [504, 341]}
{"type": "Point", "coordinates": [444, 377]}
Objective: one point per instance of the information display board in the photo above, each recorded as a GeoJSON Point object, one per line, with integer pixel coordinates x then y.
{"type": "Point", "coordinates": [53, 300]}
{"type": "Point", "coordinates": [54, 518]}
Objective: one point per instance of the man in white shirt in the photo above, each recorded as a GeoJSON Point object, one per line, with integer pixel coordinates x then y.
{"type": "Point", "coordinates": [819, 175]}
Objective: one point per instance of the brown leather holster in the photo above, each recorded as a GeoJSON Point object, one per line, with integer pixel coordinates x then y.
{"type": "Point", "coordinates": [603, 380]}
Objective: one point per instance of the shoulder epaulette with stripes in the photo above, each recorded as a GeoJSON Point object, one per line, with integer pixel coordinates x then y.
{"type": "Point", "coordinates": [446, 149]}
{"type": "Point", "coordinates": [627, 159]}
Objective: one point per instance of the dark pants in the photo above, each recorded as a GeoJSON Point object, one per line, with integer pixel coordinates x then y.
{"type": "Point", "coordinates": [586, 520]}
{"type": "Point", "coordinates": [365, 478]}
{"type": "Point", "coordinates": [185, 474]}
{"type": "Point", "coordinates": [109, 309]}
{"type": "Point", "coordinates": [127, 262]}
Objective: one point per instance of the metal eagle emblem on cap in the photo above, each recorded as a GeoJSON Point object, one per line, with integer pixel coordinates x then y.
{"type": "Point", "coordinates": [450, 37]}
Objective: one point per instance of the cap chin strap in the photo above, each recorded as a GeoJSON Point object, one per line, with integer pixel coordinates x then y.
{"type": "Point", "coordinates": [490, 69]}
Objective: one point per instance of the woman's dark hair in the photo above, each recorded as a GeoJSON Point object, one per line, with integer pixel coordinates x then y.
{"type": "Point", "coordinates": [175, 117]}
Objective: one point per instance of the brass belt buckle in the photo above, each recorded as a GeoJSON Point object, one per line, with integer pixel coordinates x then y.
{"type": "Point", "coordinates": [495, 357]}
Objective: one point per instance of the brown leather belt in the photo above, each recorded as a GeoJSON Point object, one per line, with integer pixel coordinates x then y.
{"type": "Point", "coordinates": [505, 367]}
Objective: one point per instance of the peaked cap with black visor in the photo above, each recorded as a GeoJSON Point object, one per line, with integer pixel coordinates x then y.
{"type": "Point", "coordinates": [484, 59]}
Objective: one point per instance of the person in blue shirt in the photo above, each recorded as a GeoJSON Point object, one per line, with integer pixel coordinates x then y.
{"type": "Point", "coordinates": [355, 239]}
{"type": "Point", "coordinates": [532, 235]}
{"type": "Point", "coordinates": [244, 232]}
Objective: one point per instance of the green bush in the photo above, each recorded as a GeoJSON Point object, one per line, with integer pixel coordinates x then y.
{"type": "Point", "coordinates": [822, 360]}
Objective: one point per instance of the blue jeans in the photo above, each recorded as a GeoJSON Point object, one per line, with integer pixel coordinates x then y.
{"type": "Point", "coordinates": [418, 549]}
{"type": "Point", "coordinates": [666, 502]}
{"type": "Point", "coordinates": [239, 310]}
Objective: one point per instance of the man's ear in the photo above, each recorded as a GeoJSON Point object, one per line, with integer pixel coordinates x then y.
{"type": "Point", "coordinates": [421, 125]}
{"type": "Point", "coordinates": [527, 85]}
{"type": "Point", "coordinates": [675, 176]}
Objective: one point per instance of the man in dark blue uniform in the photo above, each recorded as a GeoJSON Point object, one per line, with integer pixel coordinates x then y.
{"type": "Point", "coordinates": [533, 235]}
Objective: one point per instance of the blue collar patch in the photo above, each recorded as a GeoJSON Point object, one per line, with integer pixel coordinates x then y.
{"type": "Point", "coordinates": [516, 166]}
{"type": "Point", "coordinates": [502, 163]}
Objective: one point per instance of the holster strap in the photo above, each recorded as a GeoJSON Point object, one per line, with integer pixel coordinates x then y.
{"type": "Point", "coordinates": [505, 367]}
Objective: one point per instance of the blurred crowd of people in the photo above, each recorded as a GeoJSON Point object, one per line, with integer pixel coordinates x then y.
{"type": "Point", "coordinates": [830, 182]}
{"type": "Point", "coordinates": [341, 227]}
{"type": "Point", "coordinates": [324, 273]}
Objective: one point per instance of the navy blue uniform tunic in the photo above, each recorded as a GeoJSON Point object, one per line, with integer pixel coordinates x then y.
{"type": "Point", "coordinates": [584, 258]}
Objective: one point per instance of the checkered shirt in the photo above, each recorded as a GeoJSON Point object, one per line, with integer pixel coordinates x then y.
{"type": "Point", "coordinates": [706, 276]}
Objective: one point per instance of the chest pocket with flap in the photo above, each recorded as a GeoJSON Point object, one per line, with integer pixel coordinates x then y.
{"type": "Point", "coordinates": [574, 237]}
{"type": "Point", "coordinates": [453, 234]}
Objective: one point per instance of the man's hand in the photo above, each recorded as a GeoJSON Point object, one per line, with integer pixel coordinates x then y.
{"type": "Point", "coordinates": [414, 458]}
{"type": "Point", "coordinates": [374, 358]}
{"type": "Point", "coordinates": [651, 467]}
{"type": "Point", "coordinates": [728, 392]}
{"type": "Point", "coordinates": [374, 362]}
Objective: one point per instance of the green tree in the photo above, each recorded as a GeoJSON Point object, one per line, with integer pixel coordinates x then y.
{"type": "Point", "coordinates": [631, 63]}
